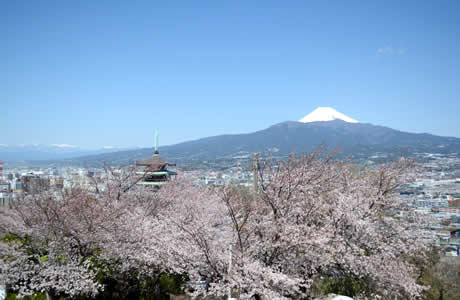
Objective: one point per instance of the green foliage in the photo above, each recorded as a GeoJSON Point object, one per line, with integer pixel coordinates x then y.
{"type": "Point", "coordinates": [347, 286]}
{"type": "Point", "coordinates": [37, 296]}
{"type": "Point", "coordinates": [14, 239]}
{"type": "Point", "coordinates": [132, 285]}
{"type": "Point", "coordinates": [23, 242]}
{"type": "Point", "coordinates": [442, 276]}
{"type": "Point", "coordinates": [172, 284]}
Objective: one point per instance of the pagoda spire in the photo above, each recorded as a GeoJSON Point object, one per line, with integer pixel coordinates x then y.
{"type": "Point", "coordinates": [154, 169]}
{"type": "Point", "coordinates": [156, 142]}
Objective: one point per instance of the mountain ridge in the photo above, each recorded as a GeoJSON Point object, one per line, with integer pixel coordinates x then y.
{"type": "Point", "coordinates": [291, 136]}
{"type": "Point", "coordinates": [47, 152]}
{"type": "Point", "coordinates": [284, 138]}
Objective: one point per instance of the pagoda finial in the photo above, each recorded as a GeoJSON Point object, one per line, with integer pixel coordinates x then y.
{"type": "Point", "coordinates": [156, 142]}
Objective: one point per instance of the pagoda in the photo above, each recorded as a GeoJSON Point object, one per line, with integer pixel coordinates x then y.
{"type": "Point", "coordinates": [154, 169]}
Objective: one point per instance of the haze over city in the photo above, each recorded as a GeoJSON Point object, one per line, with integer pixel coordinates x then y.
{"type": "Point", "coordinates": [105, 74]}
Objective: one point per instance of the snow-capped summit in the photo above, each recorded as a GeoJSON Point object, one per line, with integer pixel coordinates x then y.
{"type": "Point", "coordinates": [326, 114]}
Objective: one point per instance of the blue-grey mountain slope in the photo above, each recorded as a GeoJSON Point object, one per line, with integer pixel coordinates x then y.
{"type": "Point", "coordinates": [287, 137]}
{"type": "Point", "coordinates": [12, 153]}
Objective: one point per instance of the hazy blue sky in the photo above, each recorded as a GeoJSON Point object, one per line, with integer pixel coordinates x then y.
{"type": "Point", "coordinates": [106, 73]}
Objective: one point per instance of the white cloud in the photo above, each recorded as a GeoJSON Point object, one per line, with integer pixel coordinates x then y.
{"type": "Point", "coordinates": [108, 147]}
{"type": "Point", "coordinates": [63, 145]}
{"type": "Point", "coordinates": [389, 50]}
{"type": "Point", "coordinates": [3, 145]}
{"type": "Point", "coordinates": [386, 50]}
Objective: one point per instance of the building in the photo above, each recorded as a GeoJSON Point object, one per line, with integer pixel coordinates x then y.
{"type": "Point", "coordinates": [454, 203]}
{"type": "Point", "coordinates": [432, 203]}
{"type": "Point", "coordinates": [450, 210]}
{"type": "Point", "coordinates": [154, 169]}
{"type": "Point", "coordinates": [18, 185]}
{"type": "Point", "coordinates": [33, 184]}
{"type": "Point", "coordinates": [5, 187]}
{"type": "Point", "coordinates": [57, 183]}
{"type": "Point", "coordinates": [4, 194]}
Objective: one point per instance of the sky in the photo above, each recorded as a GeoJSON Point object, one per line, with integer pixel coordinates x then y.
{"type": "Point", "coordinates": [107, 73]}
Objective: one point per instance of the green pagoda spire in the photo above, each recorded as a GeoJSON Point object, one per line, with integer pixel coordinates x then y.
{"type": "Point", "coordinates": [156, 142]}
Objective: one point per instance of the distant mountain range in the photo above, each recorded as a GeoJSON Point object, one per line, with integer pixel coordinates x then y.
{"type": "Point", "coordinates": [287, 137]}
{"type": "Point", "coordinates": [48, 152]}
{"type": "Point", "coordinates": [323, 126]}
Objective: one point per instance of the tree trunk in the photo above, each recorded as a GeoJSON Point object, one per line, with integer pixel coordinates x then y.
{"type": "Point", "coordinates": [256, 297]}
{"type": "Point", "coordinates": [49, 296]}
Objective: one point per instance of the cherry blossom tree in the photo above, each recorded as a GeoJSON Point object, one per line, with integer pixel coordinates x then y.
{"type": "Point", "coordinates": [49, 243]}
{"type": "Point", "coordinates": [312, 218]}
{"type": "Point", "coordinates": [317, 216]}
{"type": "Point", "coordinates": [52, 241]}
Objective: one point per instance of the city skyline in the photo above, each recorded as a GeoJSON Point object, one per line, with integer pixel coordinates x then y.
{"type": "Point", "coordinates": [107, 74]}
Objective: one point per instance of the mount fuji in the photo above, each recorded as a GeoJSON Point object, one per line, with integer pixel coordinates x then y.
{"type": "Point", "coordinates": [324, 114]}
{"type": "Point", "coordinates": [324, 126]}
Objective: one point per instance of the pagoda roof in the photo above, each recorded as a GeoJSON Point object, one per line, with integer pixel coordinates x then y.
{"type": "Point", "coordinates": [163, 172]}
{"type": "Point", "coordinates": [157, 183]}
{"type": "Point", "coordinates": [153, 163]}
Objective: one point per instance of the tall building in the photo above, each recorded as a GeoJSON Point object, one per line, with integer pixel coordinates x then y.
{"type": "Point", "coordinates": [18, 185]}
{"type": "Point", "coordinates": [33, 184]}
{"type": "Point", "coordinates": [4, 193]}
{"type": "Point", "coordinates": [57, 183]}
